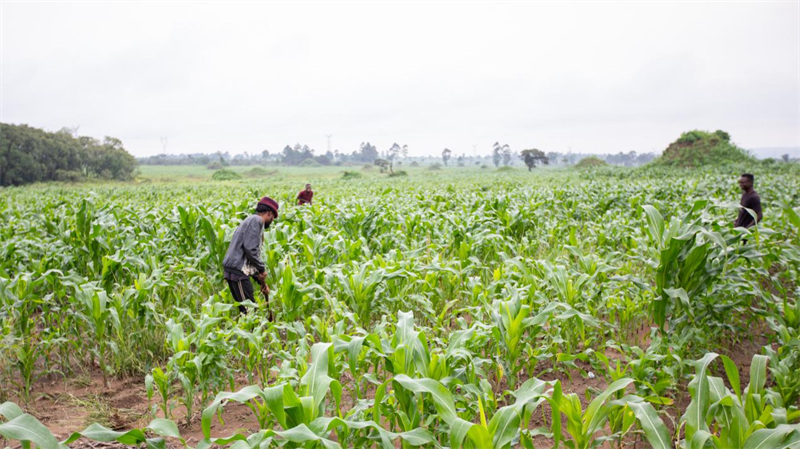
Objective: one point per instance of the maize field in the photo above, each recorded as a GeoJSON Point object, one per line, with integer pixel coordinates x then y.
{"type": "Point", "coordinates": [611, 308]}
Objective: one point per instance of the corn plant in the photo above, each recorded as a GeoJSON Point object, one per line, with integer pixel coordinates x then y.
{"type": "Point", "coordinates": [740, 418]}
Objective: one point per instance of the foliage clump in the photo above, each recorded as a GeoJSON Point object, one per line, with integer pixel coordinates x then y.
{"type": "Point", "coordinates": [225, 175]}
{"type": "Point", "coordinates": [591, 161]}
{"type": "Point", "coordinates": [29, 155]}
{"type": "Point", "coordinates": [351, 175]}
{"type": "Point", "coordinates": [215, 165]}
{"type": "Point", "coordinates": [435, 166]}
{"type": "Point", "coordinates": [698, 148]}
{"type": "Point", "coordinates": [398, 173]}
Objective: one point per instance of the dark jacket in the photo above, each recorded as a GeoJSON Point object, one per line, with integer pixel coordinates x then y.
{"type": "Point", "coordinates": [244, 252]}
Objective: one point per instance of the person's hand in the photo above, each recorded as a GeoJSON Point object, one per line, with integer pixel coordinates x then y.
{"type": "Point", "coordinates": [261, 276]}
{"type": "Point", "coordinates": [265, 289]}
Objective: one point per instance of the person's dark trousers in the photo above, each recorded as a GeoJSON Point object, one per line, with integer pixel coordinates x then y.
{"type": "Point", "coordinates": [241, 291]}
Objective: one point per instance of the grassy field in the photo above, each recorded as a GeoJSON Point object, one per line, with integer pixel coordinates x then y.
{"type": "Point", "coordinates": [462, 307]}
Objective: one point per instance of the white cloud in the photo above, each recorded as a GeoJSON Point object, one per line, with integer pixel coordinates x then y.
{"type": "Point", "coordinates": [596, 77]}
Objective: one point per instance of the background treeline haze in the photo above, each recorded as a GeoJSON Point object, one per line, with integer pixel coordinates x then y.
{"type": "Point", "coordinates": [32, 155]}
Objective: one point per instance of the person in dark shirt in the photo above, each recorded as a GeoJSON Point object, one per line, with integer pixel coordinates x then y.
{"type": "Point", "coordinates": [305, 196]}
{"type": "Point", "coordinates": [243, 259]}
{"type": "Point", "coordinates": [750, 200]}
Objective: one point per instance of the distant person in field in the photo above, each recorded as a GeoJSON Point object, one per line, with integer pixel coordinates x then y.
{"type": "Point", "coordinates": [243, 259]}
{"type": "Point", "coordinates": [305, 196]}
{"type": "Point", "coordinates": [750, 200]}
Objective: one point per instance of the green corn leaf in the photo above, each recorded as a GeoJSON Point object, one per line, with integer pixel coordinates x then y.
{"type": "Point", "coordinates": [26, 428]}
{"type": "Point", "coordinates": [241, 396]}
{"type": "Point", "coordinates": [733, 376]}
{"type": "Point", "coordinates": [771, 438]}
{"type": "Point", "coordinates": [695, 416]}
{"type": "Point", "coordinates": [654, 429]}
{"type": "Point", "coordinates": [10, 410]}
{"type": "Point", "coordinates": [758, 374]}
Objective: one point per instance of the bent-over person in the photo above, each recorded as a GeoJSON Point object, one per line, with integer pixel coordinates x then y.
{"type": "Point", "coordinates": [243, 259]}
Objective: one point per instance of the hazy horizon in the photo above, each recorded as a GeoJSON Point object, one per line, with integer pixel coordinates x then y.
{"type": "Point", "coordinates": [245, 77]}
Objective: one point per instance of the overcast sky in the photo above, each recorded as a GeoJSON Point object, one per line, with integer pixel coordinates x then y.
{"type": "Point", "coordinates": [590, 77]}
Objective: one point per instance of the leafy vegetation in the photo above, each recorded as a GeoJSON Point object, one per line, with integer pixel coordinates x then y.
{"type": "Point", "coordinates": [699, 148]}
{"type": "Point", "coordinates": [438, 309]}
{"type": "Point", "coordinates": [225, 175]}
{"type": "Point", "coordinates": [29, 155]}
{"type": "Point", "coordinates": [591, 161]}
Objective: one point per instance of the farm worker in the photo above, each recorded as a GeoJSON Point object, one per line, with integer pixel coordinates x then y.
{"type": "Point", "coordinates": [304, 197]}
{"type": "Point", "coordinates": [750, 200]}
{"type": "Point", "coordinates": [243, 258]}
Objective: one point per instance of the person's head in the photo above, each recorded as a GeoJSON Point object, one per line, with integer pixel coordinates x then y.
{"type": "Point", "coordinates": [267, 209]}
{"type": "Point", "coordinates": [308, 187]}
{"type": "Point", "coordinates": [746, 181]}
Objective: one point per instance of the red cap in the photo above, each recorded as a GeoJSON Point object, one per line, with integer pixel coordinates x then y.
{"type": "Point", "coordinates": [267, 201]}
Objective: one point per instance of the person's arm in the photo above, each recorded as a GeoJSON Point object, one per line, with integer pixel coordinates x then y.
{"type": "Point", "coordinates": [252, 245]}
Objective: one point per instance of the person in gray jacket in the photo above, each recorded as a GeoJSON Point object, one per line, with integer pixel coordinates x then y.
{"type": "Point", "coordinates": [243, 259]}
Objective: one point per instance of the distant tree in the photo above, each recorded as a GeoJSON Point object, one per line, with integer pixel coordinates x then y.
{"type": "Point", "coordinates": [534, 157]}
{"type": "Point", "coordinates": [785, 158]}
{"type": "Point", "coordinates": [297, 154]}
{"type": "Point", "coordinates": [497, 155]}
{"type": "Point", "coordinates": [506, 155]}
{"type": "Point", "coordinates": [30, 154]}
{"type": "Point", "coordinates": [460, 160]}
{"type": "Point", "coordinates": [446, 156]}
{"type": "Point", "coordinates": [367, 152]}
{"type": "Point", "coordinates": [395, 151]}
{"type": "Point", "coordinates": [383, 164]}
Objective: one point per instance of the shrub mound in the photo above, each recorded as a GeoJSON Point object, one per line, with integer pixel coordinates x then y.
{"type": "Point", "coordinates": [699, 148]}
{"type": "Point", "coordinates": [351, 175]}
{"type": "Point", "coordinates": [591, 161]}
{"type": "Point", "coordinates": [225, 175]}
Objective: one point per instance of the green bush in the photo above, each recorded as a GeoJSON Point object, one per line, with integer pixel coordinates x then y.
{"type": "Point", "coordinates": [698, 148]}
{"type": "Point", "coordinates": [435, 166]}
{"type": "Point", "coordinates": [216, 165]}
{"type": "Point", "coordinates": [351, 175]}
{"type": "Point", "coordinates": [398, 173]}
{"type": "Point", "coordinates": [225, 175]}
{"type": "Point", "coordinates": [310, 162]}
{"type": "Point", "coordinates": [505, 168]}
{"type": "Point", "coordinates": [591, 161]}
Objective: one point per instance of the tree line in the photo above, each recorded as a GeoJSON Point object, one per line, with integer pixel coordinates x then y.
{"type": "Point", "coordinates": [29, 154]}
{"type": "Point", "coordinates": [367, 153]}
